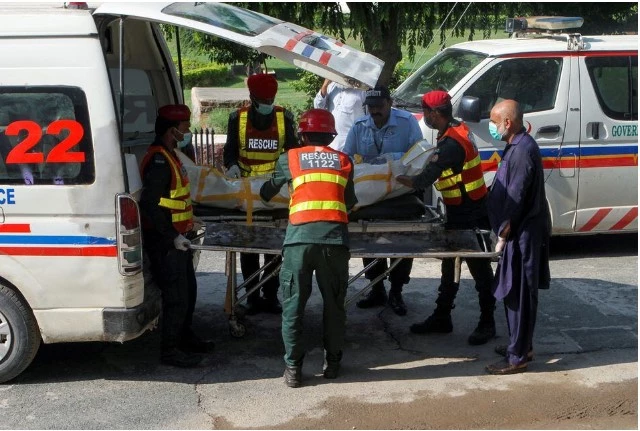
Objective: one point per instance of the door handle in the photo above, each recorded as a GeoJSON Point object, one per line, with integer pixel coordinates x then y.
{"type": "Point", "coordinates": [549, 129]}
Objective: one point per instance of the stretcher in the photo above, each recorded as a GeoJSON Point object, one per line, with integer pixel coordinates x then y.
{"type": "Point", "coordinates": [377, 239]}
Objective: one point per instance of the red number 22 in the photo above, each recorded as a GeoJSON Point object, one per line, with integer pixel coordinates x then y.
{"type": "Point", "coordinates": [58, 154]}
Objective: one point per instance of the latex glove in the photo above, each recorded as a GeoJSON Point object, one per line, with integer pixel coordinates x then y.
{"type": "Point", "coordinates": [197, 223]}
{"type": "Point", "coordinates": [405, 180]}
{"type": "Point", "coordinates": [233, 172]}
{"type": "Point", "coordinates": [181, 243]}
{"type": "Point", "coordinates": [500, 244]}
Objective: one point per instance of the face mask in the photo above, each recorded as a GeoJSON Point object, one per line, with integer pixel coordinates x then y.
{"type": "Point", "coordinates": [185, 140]}
{"type": "Point", "coordinates": [493, 131]}
{"type": "Point", "coordinates": [264, 109]}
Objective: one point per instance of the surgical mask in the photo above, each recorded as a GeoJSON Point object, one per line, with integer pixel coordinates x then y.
{"type": "Point", "coordinates": [493, 131]}
{"type": "Point", "coordinates": [264, 109]}
{"type": "Point", "coordinates": [185, 140]}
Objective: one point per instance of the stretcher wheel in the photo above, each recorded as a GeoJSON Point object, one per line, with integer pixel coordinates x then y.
{"type": "Point", "coordinates": [237, 329]}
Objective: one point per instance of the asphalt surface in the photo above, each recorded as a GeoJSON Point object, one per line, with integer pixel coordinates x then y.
{"type": "Point", "coordinates": [586, 339]}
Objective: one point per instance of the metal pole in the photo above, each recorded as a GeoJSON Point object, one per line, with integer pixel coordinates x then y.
{"type": "Point", "coordinates": [179, 60]}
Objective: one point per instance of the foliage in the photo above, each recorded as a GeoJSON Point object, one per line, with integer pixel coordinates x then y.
{"type": "Point", "coordinates": [385, 27]}
{"type": "Point", "coordinates": [209, 76]}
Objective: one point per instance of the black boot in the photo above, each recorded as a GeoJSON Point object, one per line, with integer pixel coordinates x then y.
{"type": "Point", "coordinates": [293, 376]}
{"type": "Point", "coordinates": [271, 305]}
{"type": "Point", "coordinates": [377, 297]}
{"type": "Point", "coordinates": [396, 302]}
{"type": "Point", "coordinates": [254, 304]}
{"type": "Point", "coordinates": [485, 330]}
{"type": "Point", "coordinates": [331, 366]}
{"type": "Point", "coordinates": [191, 343]}
{"type": "Point", "coordinates": [438, 322]}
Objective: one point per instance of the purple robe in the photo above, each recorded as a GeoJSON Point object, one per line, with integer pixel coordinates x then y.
{"type": "Point", "coordinates": [517, 197]}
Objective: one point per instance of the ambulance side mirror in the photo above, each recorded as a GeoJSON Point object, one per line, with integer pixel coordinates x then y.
{"type": "Point", "coordinates": [469, 109]}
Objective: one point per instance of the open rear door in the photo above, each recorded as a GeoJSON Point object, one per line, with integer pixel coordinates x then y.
{"type": "Point", "coordinates": [297, 45]}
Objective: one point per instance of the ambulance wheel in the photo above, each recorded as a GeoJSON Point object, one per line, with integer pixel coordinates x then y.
{"type": "Point", "coordinates": [237, 329]}
{"type": "Point", "coordinates": [19, 335]}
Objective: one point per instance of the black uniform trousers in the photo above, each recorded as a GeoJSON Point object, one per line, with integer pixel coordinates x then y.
{"type": "Point", "coordinates": [482, 274]}
{"type": "Point", "coordinates": [173, 271]}
{"type": "Point", "coordinates": [398, 276]}
{"type": "Point", "coordinates": [250, 263]}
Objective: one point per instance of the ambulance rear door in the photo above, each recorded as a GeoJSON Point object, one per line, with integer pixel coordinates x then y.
{"type": "Point", "coordinates": [297, 45]}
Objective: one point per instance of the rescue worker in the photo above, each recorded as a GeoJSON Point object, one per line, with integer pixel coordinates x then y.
{"type": "Point", "coordinates": [256, 136]}
{"type": "Point", "coordinates": [322, 192]}
{"type": "Point", "coordinates": [455, 165]}
{"type": "Point", "coordinates": [384, 134]}
{"type": "Point", "coordinates": [167, 222]}
{"type": "Point", "coordinates": [520, 218]}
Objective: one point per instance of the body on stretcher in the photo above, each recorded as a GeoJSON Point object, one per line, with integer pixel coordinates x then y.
{"type": "Point", "coordinates": [423, 237]}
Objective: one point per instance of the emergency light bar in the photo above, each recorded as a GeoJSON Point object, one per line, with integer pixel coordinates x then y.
{"type": "Point", "coordinates": [549, 23]}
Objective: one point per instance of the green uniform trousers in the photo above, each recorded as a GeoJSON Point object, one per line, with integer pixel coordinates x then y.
{"type": "Point", "coordinates": [331, 265]}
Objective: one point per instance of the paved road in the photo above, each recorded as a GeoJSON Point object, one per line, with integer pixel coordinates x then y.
{"type": "Point", "coordinates": [586, 343]}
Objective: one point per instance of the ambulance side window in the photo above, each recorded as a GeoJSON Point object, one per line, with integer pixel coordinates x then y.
{"type": "Point", "coordinates": [45, 136]}
{"type": "Point", "coordinates": [533, 82]}
{"type": "Point", "coordinates": [615, 80]}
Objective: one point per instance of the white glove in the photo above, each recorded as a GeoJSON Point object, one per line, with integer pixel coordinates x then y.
{"type": "Point", "coordinates": [233, 172]}
{"type": "Point", "coordinates": [181, 243]}
{"type": "Point", "coordinates": [500, 244]}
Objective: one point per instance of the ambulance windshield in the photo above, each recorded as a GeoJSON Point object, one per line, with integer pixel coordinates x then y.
{"type": "Point", "coordinates": [442, 72]}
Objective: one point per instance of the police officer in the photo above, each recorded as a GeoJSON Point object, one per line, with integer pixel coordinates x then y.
{"type": "Point", "coordinates": [167, 220]}
{"type": "Point", "coordinates": [320, 181]}
{"type": "Point", "coordinates": [456, 167]}
{"type": "Point", "coordinates": [384, 134]}
{"type": "Point", "coordinates": [256, 136]}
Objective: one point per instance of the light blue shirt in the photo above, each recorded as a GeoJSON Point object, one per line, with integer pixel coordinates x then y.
{"type": "Point", "coordinates": [396, 137]}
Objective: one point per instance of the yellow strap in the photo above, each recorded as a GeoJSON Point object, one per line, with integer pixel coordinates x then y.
{"type": "Point", "coordinates": [180, 191]}
{"type": "Point", "coordinates": [446, 173]}
{"type": "Point", "coordinates": [280, 123]}
{"type": "Point", "coordinates": [242, 128]}
{"type": "Point", "coordinates": [184, 216]}
{"type": "Point", "coordinates": [322, 177]}
{"type": "Point", "coordinates": [471, 163]}
{"type": "Point", "coordinates": [318, 205]}
{"type": "Point", "coordinates": [172, 204]}
{"type": "Point", "coordinates": [474, 185]}
{"type": "Point", "coordinates": [446, 183]}
{"type": "Point", "coordinates": [453, 193]}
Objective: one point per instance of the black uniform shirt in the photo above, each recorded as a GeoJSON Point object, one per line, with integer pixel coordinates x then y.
{"type": "Point", "coordinates": [450, 154]}
{"type": "Point", "coordinates": [156, 183]}
{"type": "Point", "coordinates": [231, 150]}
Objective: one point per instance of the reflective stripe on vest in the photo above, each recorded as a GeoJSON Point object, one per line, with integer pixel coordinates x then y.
{"type": "Point", "coordinates": [318, 193]}
{"type": "Point", "coordinates": [471, 178]}
{"type": "Point", "coordinates": [179, 200]}
{"type": "Point", "coordinates": [252, 162]}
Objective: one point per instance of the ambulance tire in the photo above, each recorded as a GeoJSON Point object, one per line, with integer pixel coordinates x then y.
{"type": "Point", "coordinates": [19, 335]}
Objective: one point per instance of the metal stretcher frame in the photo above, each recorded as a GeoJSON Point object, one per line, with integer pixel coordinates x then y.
{"type": "Point", "coordinates": [367, 240]}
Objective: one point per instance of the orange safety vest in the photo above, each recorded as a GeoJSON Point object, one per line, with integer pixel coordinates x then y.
{"type": "Point", "coordinates": [259, 149]}
{"type": "Point", "coordinates": [319, 177]}
{"type": "Point", "coordinates": [471, 178]}
{"type": "Point", "coordinates": [179, 200]}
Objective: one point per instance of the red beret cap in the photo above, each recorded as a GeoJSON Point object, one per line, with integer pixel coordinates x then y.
{"type": "Point", "coordinates": [436, 99]}
{"type": "Point", "coordinates": [263, 86]}
{"type": "Point", "coordinates": [175, 112]}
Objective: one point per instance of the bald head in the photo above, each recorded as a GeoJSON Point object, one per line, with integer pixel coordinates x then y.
{"type": "Point", "coordinates": [507, 113]}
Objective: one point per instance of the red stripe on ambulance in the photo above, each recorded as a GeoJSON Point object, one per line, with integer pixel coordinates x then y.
{"type": "Point", "coordinates": [628, 218]}
{"type": "Point", "coordinates": [595, 220]}
{"type": "Point", "coordinates": [15, 228]}
{"type": "Point", "coordinates": [109, 251]}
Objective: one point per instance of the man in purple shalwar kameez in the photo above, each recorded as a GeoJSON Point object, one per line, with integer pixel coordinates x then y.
{"type": "Point", "coordinates": [519, 216]}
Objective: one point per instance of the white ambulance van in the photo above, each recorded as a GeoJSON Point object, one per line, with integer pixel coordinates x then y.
{"type": "Point", "coordinates": [79, 92]}
{"type": "Point", "coordinates": [580, 101]}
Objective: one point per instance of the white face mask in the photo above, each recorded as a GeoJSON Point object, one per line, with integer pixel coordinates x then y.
{"type": "Point", "coordinates": [185, 140]}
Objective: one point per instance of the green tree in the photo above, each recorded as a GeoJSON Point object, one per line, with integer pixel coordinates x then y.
{"type": "Point", "coordinates": [384, 27]}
